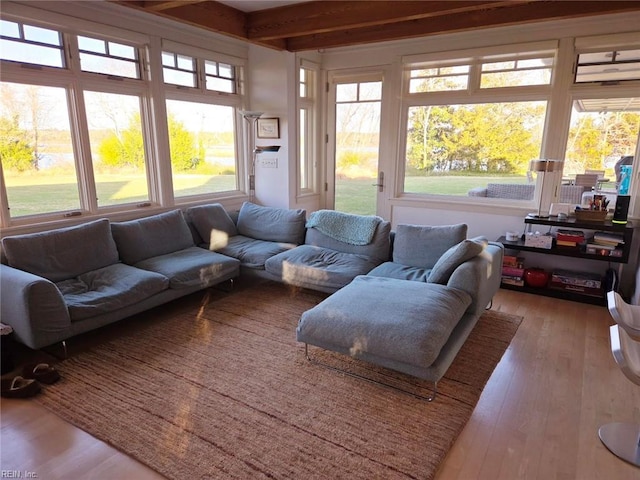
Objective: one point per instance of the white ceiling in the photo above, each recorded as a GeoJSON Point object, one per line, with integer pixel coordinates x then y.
{"type": "Point", "coordinates": [253, 5]}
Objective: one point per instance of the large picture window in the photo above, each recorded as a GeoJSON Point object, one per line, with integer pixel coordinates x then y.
{"type": "Point", "coordinates": [452, 149]}
{"type": "Point", "coordinates": [117, 148]}
{"type": "Point", "coordinates": [36, 150]}
{"type": "Point", "coordinates": [202, 144]}
{"type": "Point", "coordinates": [472, 124]}
{"type": "Point", "coordinates": [603, 134]}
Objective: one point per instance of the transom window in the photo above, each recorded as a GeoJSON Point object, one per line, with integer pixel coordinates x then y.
{"type": "Point", "coordinates": [179, 69]}
{"type": "Point", "coordinates": [608, 66]}
{"type": "Point", "coordinates": [439, 79]}
{"type": "Point", "coordinates": [184, 71]}
{"type": "Point", "coordinates": [510, 71]}
{"type": "Point", "coordinates": [24, 43]}
{"type": "Point", "coordinates": [220, 77]}
{"type": "Point", "coordinates": [102, 56]}
{"type": "Point", "coordinates": [516, 73]}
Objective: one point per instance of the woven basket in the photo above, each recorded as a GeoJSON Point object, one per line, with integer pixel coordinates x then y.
{"type": "Point", "coordinates": [591, 215]}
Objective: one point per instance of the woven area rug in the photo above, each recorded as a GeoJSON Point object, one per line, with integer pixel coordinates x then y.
{"type": "Point", "coordinates": [216, 386]}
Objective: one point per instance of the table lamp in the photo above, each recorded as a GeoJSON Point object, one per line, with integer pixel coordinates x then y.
{"type": "Point", "coordinates": [543, 167]}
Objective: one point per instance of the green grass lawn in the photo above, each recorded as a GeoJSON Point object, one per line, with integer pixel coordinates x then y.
{"type": "Point", "coordinates": [41, 193]}
{"type": "Point", "coordinates": [359, 196]}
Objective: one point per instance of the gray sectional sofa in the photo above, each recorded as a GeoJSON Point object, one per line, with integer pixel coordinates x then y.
{"type": "Point", "coordinates": [67, 281]}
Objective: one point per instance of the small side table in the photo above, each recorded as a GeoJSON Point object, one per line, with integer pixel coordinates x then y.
{"type": "Point", "coordinates": [6, 362]}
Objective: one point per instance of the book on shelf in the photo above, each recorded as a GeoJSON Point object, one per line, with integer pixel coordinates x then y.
{"type": "Point", "coordinates": [512, 271]}
{"type": "Point", "coordinates": [513, 261]}
{"type": "Point", "coordinates": [608, 238]}
{"type": "Point", "coordinates": [591, 291]}
{"type": "Point", "coordinates": [565, 243]}
{"type": "Point", "coordinates": [517, 281]}
{"type": "Point", "coordinates": [576, 236]}
{"type": "Point", "coordinates": [576, 279]}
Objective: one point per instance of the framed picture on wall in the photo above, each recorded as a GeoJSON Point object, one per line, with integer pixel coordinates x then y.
{"type": "Point", "coordinates": [268, 128]}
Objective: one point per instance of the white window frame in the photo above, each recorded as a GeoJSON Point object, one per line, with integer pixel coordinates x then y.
{"type": "Point", "coordinates": [309, 104]}
{"type": "Point", "coordinates": [153, 94]}
{"type": "Point", "coordinates": [473, 94]}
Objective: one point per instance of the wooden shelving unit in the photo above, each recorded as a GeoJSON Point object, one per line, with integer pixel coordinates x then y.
{"type": "Point", "coordinates": [625, 229]}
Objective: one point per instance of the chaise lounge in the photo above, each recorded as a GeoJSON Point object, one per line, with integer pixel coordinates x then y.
{"type": "Point", "coordinates": [413, 313]}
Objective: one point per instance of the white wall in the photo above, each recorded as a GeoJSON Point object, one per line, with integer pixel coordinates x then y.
{"type": "Point", "coordinates": [269, 85]}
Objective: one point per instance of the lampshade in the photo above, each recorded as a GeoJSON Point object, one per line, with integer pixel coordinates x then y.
{"type": "Point", "coordinates": [251, 115]}
{"type": "Point", "coordinates": [543, 166]}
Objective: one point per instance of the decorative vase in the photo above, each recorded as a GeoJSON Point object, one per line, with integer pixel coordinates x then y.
{"type": "Point", "coordinates": [536, 277]}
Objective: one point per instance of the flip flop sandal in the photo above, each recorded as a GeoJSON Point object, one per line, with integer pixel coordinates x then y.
{"type": "Point", "coordinates": [19, 387]}
{"type": "Point", "coordinates": [43, 372]}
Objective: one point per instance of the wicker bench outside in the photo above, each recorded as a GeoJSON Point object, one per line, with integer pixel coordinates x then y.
{"type": "Point", "coordinates": [524, 191]}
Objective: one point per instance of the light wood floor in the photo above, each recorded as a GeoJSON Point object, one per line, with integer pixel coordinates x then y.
{"type": "Point", "coordinates": [537, 418]}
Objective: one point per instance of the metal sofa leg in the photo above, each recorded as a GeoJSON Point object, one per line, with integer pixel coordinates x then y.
{"type": "Point", "coordinates": [312, 360]}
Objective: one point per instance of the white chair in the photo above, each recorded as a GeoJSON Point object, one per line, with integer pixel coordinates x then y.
{"type": "Point", "coordinates": [625, 315]}
{"type": "Point", "coordinates": [623, 439]}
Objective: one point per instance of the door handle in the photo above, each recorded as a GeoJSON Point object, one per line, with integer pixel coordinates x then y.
{"type": "Point", "coordinates": [380, 183]}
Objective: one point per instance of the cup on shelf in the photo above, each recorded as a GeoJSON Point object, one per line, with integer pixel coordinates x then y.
{"type": "Point", "coordinates": [512, 236]}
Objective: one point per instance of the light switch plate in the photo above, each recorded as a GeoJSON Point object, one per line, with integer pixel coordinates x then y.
{"type": "Point", "coordinates": [269, 162]}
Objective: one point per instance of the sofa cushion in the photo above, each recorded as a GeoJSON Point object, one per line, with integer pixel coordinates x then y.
{"type": "Point", "coordinates": [149, 237]}
{"type": "Point", "coordinates": [193, 266]}
{"type": "Point", "coordinates": [378, 249]}
{"type": "Point", "coordinates": [63, 253]}
{"type": "Point", "coordinates": [453, 258]}
{"type": "Point", "coordinates": [422, 246]}
{"type": "Point", "coordinates": [319, 268]}
{"type": "Point", "coordinates": [253, 253]}
{"type": "Point", "coordinates": [211, 221]}
{"type": "Point", "coordinates": [273, 224]}
{"type": "Point", "coordinates": [400, 272]}
{"type": "Point", "coordinates": [108, 289]}
{"type": "Point", "coordinates": [395, 320]}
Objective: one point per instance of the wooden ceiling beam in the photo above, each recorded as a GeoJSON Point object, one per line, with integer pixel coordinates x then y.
{"type": "Point", "coordinates": [158, 6]}
{"type": "Point", "coordinates": [325, 24]}
{"type": "Point", "coordinates": [325, 17]}
{"type": "Point", "coordinates": [493, 17]}
{"type": "Point", "coordinates": [204, 14]}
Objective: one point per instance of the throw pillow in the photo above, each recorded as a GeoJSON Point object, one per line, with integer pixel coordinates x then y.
{"type": "Point", "coordinates": [212, 221]}
{"type": "Point", "coordinates": [453, 258]}
{"type": "Point", "coordinates": [422, 246]}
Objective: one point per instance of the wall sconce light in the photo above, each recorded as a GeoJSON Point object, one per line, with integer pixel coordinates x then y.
{"type": "Point", "coordinates": [543, 167]}
{"type": "Point", "coordinates": [266, 148]}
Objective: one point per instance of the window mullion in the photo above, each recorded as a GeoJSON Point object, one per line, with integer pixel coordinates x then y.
{"type": "Point", "coordinates": [71, 52]}
{"type": "Point", "coordinates": [82, 149]}
{"type": "Point", "coordinates": [475, 74]}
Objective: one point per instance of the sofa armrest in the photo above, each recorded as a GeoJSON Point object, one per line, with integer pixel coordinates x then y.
{"type": "Point", "coordinates": [478, 192]}
{"type": "Point", "coordinates": [33, 306]}
{"type": "Point", "coordinates": [480, 277]}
